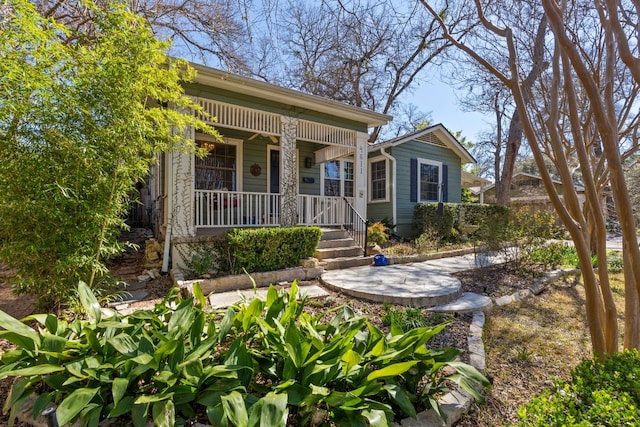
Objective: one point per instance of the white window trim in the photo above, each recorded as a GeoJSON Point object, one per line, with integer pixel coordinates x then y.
{"type": "Point", "coordinates": [387, 179]}
{"type": "Point", "coordinates": [341, 179]}
{"type": "Point", "coordinates": [433, 163]}
{"type": "Point", "coordinates": [230, 141]}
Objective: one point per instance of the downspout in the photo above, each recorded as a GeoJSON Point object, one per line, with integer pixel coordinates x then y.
{"type": "Point", "coordinates": [392, 160]}
{"type": "Point", "coordinates": [167, 237]}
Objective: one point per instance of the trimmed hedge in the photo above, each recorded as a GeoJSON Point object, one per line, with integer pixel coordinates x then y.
{"type": "Point", "coordinates": [598, 393]}
{"type": "Point", "coordinates": [493, 220]}
{"type": "Point", "coordinates": [268, 249]}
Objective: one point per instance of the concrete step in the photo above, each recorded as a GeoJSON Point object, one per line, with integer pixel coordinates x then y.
{"type": "Point", "coordinates": [336, 243]}
{"type": "Point", "coordinates": [351, 251]}
{"type": "Point", "coordinates": [405, 285]}
{"type": "Point", "coordinates": [346, 262]}
{"type": "Point", "coordinates": [467, 303]}
{"type": "Point", "coordinates": [333, 233]}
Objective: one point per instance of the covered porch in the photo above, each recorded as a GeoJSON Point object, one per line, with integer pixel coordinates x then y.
{"type": "Point", "coordinates": [275, 170]}
{"type": "Point", "coordinates": [286, 158]}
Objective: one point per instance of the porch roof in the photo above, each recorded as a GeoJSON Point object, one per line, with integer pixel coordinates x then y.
{"type": "Point", "coordinates": [232, 82]}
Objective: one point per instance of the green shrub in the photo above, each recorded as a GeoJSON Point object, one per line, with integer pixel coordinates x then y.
{"type": "Point", "coordinates": [492, 221]}
{"type": "Point", "coordinates": [268, 249]}
{"type": "Point", "coordinates": [428, 240]}
{"type": "Point", "coordinates": [426, 215]}
{"type": "Point", "coordinates": [262, 363]}
{"type": "Point", "coordinates": [408, 318]}
{"type": "Point", "coordinates": [405, 318]}
{"type": "Point", "coordinates": [598, 393]}
{"type": "Point", "coordinates": [615, 261]}
{"type": "Point", "coordinates": [377, 233]}
{"type": "Point", "coordinates": [551, 255]}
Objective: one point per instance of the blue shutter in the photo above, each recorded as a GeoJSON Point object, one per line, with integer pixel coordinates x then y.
{"type": "Point", "coordinates": [445, 183]}
{"type": "Point", "coordinates": [413, 188]}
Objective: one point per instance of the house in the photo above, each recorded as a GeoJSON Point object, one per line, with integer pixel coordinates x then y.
{"type": "Point", "coordinates": [419, 167]}
{"type": "Point", "coordinates": [286, 158]}
{"type": "Point", "coordinates": [527, 190]}
{"type": "Point", "coordinates": [527, 187]}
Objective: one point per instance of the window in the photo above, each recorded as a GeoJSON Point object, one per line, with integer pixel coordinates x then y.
{"type": "Point", "coordinates": [338, 179]}
{"type": "Point", "coordinates": [219, 170]}
{"type": "Point", "coordinates": [429, 180]}
{"type": "Point", "coordinates": [378, 179]}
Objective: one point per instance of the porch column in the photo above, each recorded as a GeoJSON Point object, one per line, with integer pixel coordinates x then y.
{"type": "Point", "coordinates": [289, 172]}
{"type": "Point", "coordinates": [182, 210]}
{"type": "Point", "coordinates": [360, 173]}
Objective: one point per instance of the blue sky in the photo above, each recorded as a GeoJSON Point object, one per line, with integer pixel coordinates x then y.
{"type": "Point", "coordinates": [441, 100]}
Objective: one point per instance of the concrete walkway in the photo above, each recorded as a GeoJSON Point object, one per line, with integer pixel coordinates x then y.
{"type": "Point", "coordinates": [418, 284]}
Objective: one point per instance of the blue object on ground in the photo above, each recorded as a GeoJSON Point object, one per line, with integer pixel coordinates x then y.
{"type": "Point", "coordinates": [380, 260]}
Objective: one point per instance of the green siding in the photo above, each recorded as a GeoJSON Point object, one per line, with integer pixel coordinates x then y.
{"type": "Point", "coordinates": [255, 152]}
{"type": "Point", "coordinates": [199, 90]}
{"type": "Point", "coordinates": [379, 211]}
{"type": "Point", "coordinates": [401, 189]}
{"type": "Point", "coordinates": [305, 150]}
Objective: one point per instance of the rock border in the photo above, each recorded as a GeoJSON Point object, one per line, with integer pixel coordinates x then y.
{"type": "Point", "coordinates": [457, 402]}
{"type": "Point", "coordinates": [244, 281]}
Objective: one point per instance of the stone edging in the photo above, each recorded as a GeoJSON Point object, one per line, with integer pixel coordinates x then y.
{"type": "Point", "coordinates": [244, 281]}
{"type": "Point", "coordinates": [456, 403]}
{"type": "Point", "coordinates": [538, 286]}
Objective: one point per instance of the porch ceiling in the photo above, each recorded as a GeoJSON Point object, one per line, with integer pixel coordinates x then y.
{"type": "Point", "coordinates": [332, 152]}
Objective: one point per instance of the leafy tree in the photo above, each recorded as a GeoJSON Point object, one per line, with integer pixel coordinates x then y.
{"type": "Point", "coordinates": [82, 118]}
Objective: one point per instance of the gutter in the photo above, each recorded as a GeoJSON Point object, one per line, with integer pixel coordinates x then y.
{"type": "Point", "coordinates": [392, 160]}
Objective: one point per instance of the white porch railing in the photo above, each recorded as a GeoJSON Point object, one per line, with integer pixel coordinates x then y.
{"type": "Point", "coordinates": [246, 209]}
{"type": "Point", "coordinates": [236, 209]}
{"type": "Point", "coordinates": [321, 210]}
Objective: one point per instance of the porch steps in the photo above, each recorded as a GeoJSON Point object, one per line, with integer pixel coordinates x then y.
{"type": "Point", "coordinates": [337, 250]}
{"type": "Point", "coordinates": [346, 262]}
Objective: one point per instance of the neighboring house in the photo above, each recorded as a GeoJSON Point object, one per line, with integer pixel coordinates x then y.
{"type": "Point", "coordinates": [287, 158]}
{"type": "Point", "coordinates": [528, 190]}
{"type": "Point", "coordinates": [528, 187]}
{"type": "Point", "coordinates": [420, 167]}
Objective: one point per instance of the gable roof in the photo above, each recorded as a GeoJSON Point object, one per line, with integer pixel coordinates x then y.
{"type": "Point", "coordinates": [435, 135]}
{"type": "Point", "coordinates": [232, 82]}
